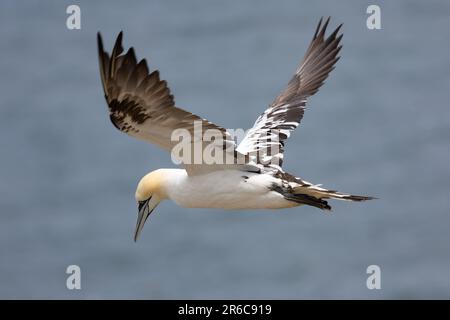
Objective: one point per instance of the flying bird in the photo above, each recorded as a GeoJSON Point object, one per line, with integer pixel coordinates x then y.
{"type": "Point", "coordinates": [141, 105]}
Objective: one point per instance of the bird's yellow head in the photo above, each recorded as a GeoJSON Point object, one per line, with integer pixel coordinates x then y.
{"type": "Point", "coordinates": [152, 184]}
{"type": "Point", "coordinates": [149, 193]}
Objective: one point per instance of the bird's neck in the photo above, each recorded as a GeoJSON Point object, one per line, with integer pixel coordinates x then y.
{"type": "Point", "coordinates": [172, 179]}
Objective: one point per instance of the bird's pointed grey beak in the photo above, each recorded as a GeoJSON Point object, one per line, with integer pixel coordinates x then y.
{"type": "Point", "coordinates": [146, 207]}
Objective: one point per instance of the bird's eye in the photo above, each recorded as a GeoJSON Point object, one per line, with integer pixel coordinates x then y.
{"type": "Point", "coordinates": [142, 203]}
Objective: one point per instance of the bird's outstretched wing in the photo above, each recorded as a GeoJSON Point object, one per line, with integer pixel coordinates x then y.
{"type": "Point", "coordinates": [264, 142]}
{"type": "Point", "coordinates": [141, 105]}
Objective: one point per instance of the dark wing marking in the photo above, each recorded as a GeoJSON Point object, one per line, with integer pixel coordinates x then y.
{"type": "Point", "coordinates": [272, 128]}
{"type": "Point", "coordinates": [141, 105]}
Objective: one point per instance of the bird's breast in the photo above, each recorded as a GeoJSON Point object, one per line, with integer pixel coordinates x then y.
{"type": "Point", "coordinates": [228, 189]}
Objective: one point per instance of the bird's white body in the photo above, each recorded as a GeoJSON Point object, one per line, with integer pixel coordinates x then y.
{"type": "Point", "coordinates": [226, 189]}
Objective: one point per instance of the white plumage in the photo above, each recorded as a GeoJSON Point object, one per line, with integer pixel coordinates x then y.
{"type": "Point", "coordinates": [226, 189]}
{"type": "Point", "coordinates": [142, 106]}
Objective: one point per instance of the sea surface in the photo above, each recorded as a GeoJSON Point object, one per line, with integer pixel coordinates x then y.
{"type": "Point", "coordinates": [379, 126]}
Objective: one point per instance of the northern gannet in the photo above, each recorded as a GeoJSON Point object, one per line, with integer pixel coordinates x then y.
{"type": "Point", "coordinates": [141, 105]}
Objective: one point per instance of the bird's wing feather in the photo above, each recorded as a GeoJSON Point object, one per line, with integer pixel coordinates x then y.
{"type": "Point", "coordinates": [141, 105]}
{"type": "Point", "coordinates": [264, 142]}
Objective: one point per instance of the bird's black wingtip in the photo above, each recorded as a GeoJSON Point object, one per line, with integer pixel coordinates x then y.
{"type": "Point", "coordinates": [99, 39]}
{"type": "Point", "coordinates": [120, 36]}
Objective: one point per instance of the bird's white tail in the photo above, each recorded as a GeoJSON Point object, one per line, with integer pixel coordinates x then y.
{"type": "Point", "coordinates": [320, 194]}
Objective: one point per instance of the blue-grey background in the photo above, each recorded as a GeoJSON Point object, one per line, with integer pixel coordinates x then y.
{"type": "Point", "coordinates": [379, 126]}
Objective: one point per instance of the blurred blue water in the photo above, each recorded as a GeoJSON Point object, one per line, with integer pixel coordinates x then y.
{"type": "Point", "coordinates": [379, 126]}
